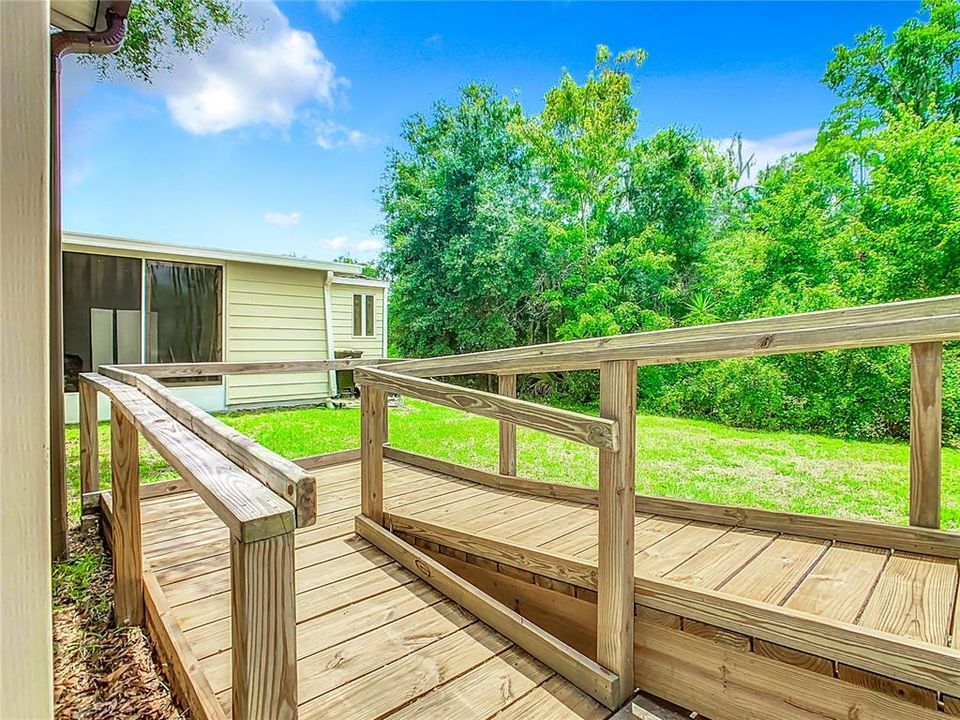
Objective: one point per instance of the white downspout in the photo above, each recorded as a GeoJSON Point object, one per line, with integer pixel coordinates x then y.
{"type": "Point", "coordinates": [328, 322]}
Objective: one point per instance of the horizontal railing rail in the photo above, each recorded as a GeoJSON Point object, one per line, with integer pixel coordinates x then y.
{"type": "Point", "coordinates": [598, 432]}
{"type": "Point", "coordinates": [248, 508]}
{"type": "Point", "coordinates": [915, 321]}
{"type": "Point", "coordinates": [205, 369]}
{"type": "Point", "coordinates": [235, 478]}
{"type": "Point", "coordinates": [282, 476]}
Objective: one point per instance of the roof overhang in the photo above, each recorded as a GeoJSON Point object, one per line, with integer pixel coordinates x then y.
{"type": "Point", "coordinates": [84, 15]}
{"type": "Point", "coordinates": [83, 241]}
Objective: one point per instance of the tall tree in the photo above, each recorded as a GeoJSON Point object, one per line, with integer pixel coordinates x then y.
{"type": "Point", "coordinates": [462, 248]}
{"type": "Point", "coordinates": [916, 72]}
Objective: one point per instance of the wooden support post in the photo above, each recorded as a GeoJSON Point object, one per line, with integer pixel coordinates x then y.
{"type": "Point", "coordinates": [926, 380]}
{"type": "Point", "coordinates": [263, 624]}
{"type": "Point", "coordinates": [508, 430]}
{"type": "Point", "coordinates": [386, 418]}
{"type": "Point", "coordinates": [89, 449]}
{"type": "Point", "coordinates": [127, 551]}
{"type": "Point", "coordinates": [373, 405]}
{"type": "Point", "coordinates": [618, 400]}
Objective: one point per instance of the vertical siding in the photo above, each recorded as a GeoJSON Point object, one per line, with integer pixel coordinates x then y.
{"type": "Point", "coordinates": [274, 313]}
{"type": "Point", "coordinates": [342, 301]}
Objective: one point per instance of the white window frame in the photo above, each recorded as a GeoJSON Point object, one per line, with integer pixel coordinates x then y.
{"type": "Point", "coordinates": [363, 315]}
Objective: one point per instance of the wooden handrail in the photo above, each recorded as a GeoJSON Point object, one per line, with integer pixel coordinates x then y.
{"type": "Point", "coordinates": [598, 432]}
{"type": "Point", "coordinates": [263, 616]}
{"type": "Point", "coordinates": [914, 321]}
{"type": "Point", "coordinates": [282, 476]}
{"type": "Point", "coordinates": [202, 369]}
{"type": "Point", "coordinates": [249, 509]}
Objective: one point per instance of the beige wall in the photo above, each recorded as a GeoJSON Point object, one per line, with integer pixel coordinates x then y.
{"type": "Point", "coordinates": [26, 683]}
{"type": "Point", "coordinates": [274, 313]}
{"type": "Point", "coordinates": [342, 302]}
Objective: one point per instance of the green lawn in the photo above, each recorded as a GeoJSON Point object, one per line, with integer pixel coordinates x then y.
{"type": "Point", "coordinates": [676, 458]}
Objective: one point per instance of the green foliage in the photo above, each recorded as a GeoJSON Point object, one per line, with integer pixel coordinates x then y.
{"type": "Point", "coordinates": [914, 74]}
{"type": "Point", "coordinates": [155, 28]}
{"type": "Point", "coordinates": [463, 247]}
{"type": "Point", "coordinates": [623, 234]}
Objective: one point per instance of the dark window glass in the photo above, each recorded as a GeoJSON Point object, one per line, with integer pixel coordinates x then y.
{"type": "Point", "coordinates": [358, 315]}
{"type": "Point", "coordinates": [183, 313]}
{"type": "Point", "coordinates": [370, 315]}
{"type": "Point", "coordinates": [101, 313]}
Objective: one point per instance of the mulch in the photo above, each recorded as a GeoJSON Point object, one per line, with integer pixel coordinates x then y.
{"type": "Point", "coordinates": [100, 671]}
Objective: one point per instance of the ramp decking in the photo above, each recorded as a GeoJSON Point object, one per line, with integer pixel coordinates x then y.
{"type": "Point", "coordinates": [374, 641]}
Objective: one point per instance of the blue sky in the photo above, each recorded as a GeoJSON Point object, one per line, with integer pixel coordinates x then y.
{"type": "Point", "coordinates": [276, 143]}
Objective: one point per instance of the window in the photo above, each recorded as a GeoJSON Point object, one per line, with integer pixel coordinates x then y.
{"type": "Point", "coordinates": [363, 316]}
{"type": "Point", "coordinates": [101, 313]}
{"type": "Point", "coordinates": [129, 310]}
{"type": "Point", "coordinates": [183, 313]}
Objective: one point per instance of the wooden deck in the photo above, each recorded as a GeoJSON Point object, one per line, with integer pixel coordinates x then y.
{"type": "Point", "coordinates": [375, 641]}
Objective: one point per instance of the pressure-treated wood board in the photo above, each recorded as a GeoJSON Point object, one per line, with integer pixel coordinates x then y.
{"type": "Point", "coordinates": [349, 594]}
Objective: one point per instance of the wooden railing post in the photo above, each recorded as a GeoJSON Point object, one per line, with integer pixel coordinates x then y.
{"type": "Point", "coordinates": [127, 551]}
{"type": "Point", "coordinates": [926, 380]}
{"type": "Point", "coordinates": [263, 625]}
{"type": "Point", "coordinates": [615, 573]}
{"type": "Point", "coordinates": [89, 448]}
{"type": "Point", "coordinates": [373, 405]}
{"type": "Point", "coordinates": [508, 430]}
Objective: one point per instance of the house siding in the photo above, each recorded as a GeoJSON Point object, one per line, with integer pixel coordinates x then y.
{"type": "Point", "coordinates": [341, 297]}
{"type": "Point", "coordinates": [274, 313]}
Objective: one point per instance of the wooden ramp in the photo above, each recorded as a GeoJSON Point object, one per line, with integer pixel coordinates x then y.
{"type": "Point", "coordinates": [373, 640]}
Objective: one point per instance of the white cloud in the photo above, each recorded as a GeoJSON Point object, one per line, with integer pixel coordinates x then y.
{"type": "Point", "coordinates": [262, 78]}
{"type": "Point", "coordinates": [343, 245]}
{"type": "Point", "coordinates": [762, 153]}
{"type": "Point", "coordinates": [369, 245]}
{"type": "Point", "coordinates": [282, 219]}
{"type": "Point", "coordinates": [331, 135]}
{"type": "Point", "coordinates": [335, 243]}
{"type": "Point", "coordinates": [333, 9]}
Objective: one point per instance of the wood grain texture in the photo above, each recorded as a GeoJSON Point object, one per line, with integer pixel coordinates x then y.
{"type": "Point", "coordinates": [868, 326]}
{"type": "Point", "coordinates": [318, 462]}
{"type": "Point", "coordinates": [553, 565]}
{"type": "Point", "coordinates": [598, 432]}
{"type": "Point", "coordinates": [507, 386]}
{"type": "Point", "coordinates": [263, 628]}
{"type": "Point", "coordinates": [615, 554]}
{"type": "Point", "coordinates": [914, 598]}
{"type": "Point", "coordinates": [284, 477]}
{"type": "Point", "coordinates": [895, 688]}
{"type": "Point", "coordinates": [573, 665]}
{"type": "Point", "coordinates": [242, 503]}
{"type": "Point", "coordinates": [908, 539]}
{"type": "Point", "coordinates": [373, 406]}
{"type": "Point", "coordinates": [926, 391]}
{"type": "Point", "coordinates": [813, 663]}
{"type": "Point", "coordinates": [177, 659]}
{"type": "Point", "coordinates": [908, 660]}
{"type": "Point", "coordinates": [127, 549]}
{"type": "Point", "coordinates": [726, 684]}
{"type": "Point", "coordinates": [89, 444]}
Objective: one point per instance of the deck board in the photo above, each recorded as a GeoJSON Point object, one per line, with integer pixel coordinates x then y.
{"type": "Point", "coordinates": [773, 574]}
{"type": "Point", "coordinates": [376, 642]}
{"type": "Point", "coordinates": [914, 598]}
{"type": "Point", "coordinates": [840, 584]}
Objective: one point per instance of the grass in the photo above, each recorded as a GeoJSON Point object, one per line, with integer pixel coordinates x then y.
{"type": "Point", "coordinates": [679, 458]}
